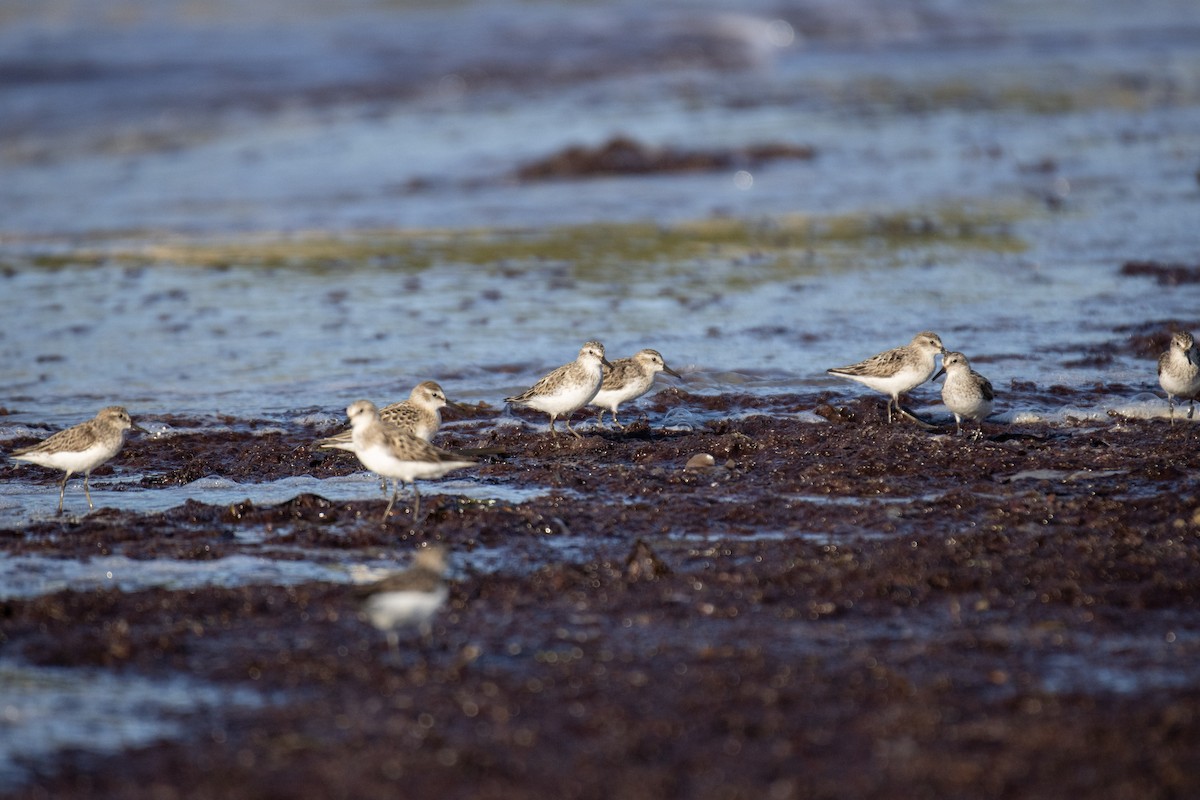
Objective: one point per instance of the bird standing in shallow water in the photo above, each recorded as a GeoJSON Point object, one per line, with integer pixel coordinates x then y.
{"type": "Point", "coordinates": [568, 388]}
{"type": "Point", "coordinates": [1179, 372]}
{"type": "Point", "coordinates": [628, 379]}
{"type": "Point", "coordinates": [966, 393]}
{"type": "Point", "coordinates": [81, 448]}
{"type": "Point", "coordinates": [898, 370]}
{"type": "Point", "coordinates": [390, 452]}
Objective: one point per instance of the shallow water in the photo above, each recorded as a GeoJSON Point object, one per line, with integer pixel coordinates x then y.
{"type": "Point", "coordinates": [30, 576]}
{"type": "Point", "coordinates": [23, 502]}
{"type": "Point", "coordinates": [25, 576]}
{"type": "Point", "coordinates": [1103, 671]}
{"type": "Point", "coordinates": [257, 343]}
{"type": "Point", "coordinates": [48, 709]}
{"type": "Point", "coordinates": [268, 249]}
{"type": "Point", "coordinates": [928, 126]}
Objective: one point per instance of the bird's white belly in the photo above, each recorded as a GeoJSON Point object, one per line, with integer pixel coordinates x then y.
{"type": "Point", "coordinates": [71, 461]}
{"type": "Point", "coordinates": [1185, 385]}
{"type": "Point", "coordinates": [607, 398]}
{"type": "Point", "coordinates": [395, 609]}
{"type": "Point", "coordinates": [566, 398]}
{"type": "Point", "coordinates": [381, 461]}
{"type": "Point", "coordinates": [897, 383]}
{"type": "Point", "coordinates": [971, 406]}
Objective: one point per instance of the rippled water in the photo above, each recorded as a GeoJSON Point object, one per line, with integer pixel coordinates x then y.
{"type": "Point", "coordinates": [22, 502]}
{"type": "Point", "coordinates": [174, 242]}
{"type": "Point", "coordinates": [935, 116]}
{"type": "Point", "coordinates": [46, 709]}
{"type": "Point", "coordinates": [274, 241]}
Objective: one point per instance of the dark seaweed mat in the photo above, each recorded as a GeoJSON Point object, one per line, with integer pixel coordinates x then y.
{"type": "Point", "coordinates": [901, 645]}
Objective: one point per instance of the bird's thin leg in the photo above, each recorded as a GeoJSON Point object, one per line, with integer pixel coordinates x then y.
{"type": "Point", "coordinates": [392, 502]}
{"type": "Point", "coordinates": [1171, 408]}
{"type": "Point", "coordinates": [62, 491]}
{"type": "Point", "coordinates": [903, 412]}
{"type": "Point", "coordinates": [618, 424]}
{"type": "Point", "coordinates": [896, 400]}
{"type": "Point", "coordinates": [87, 475]}
{"type": "Point", "coordinates": [416, 503]}
{"type": "Point", "coordinates": [600, 418]}
{"type": "Point", "coordinates": [552, 418]}
{"type": "Point", "coordinates": [1191, 406]}
{"type": "Point", "coordinates": [572, 431]}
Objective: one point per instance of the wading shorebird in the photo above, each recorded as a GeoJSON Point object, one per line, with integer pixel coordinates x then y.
{"type": "Point", "coordinates": [568, 388]}
{"type": "Point", "coordinates": [391, 453]}
{"type": "Point", "coordinates": [408, 599]}
{"type": "Point", "coordinates": [81, 448]}
{"type": "Point", "coordinates": [1179, 372]}
{"type": "Point", "coordinates": [898, 370]}
{"type": "Point", "coordinates": [420, 415]}
{"type": "Point", "coordinates": [966, 393]}
{"type": "Point", "coordinates": [628, 379]}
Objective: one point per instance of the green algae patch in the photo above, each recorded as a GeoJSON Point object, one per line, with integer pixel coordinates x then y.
{"type": "Point", "coordinates": [1041, 95]}
{"type": "Point", "coordinates": [774, 247]}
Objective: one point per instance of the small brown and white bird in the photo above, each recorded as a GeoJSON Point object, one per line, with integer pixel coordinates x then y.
{"type": "Point", "coordinates": [1179, 372]}
{"type": "Point", "coordinates": [410, 598]}
{"type": "Point", "coordinates": [391, 453]}
{"type": "Point", "coordinates": [628, 379]}
{"type": "Point", "coordinates": [419, 415]}
{"type": "Point", "coordinates": [898, 370]}
{"type": "Point", "coordinates": [81, 448]}
{"type": "Point", "coordinates": [966, 393]}
{"type": "Point", "coordinates": [568, 388]}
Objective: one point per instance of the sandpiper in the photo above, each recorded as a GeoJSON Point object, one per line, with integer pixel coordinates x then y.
{"type": "Point", "coordinates": [391, 453]}
{"type": "Point", "coordinates": [966, 393]}
{"type": "Point", "coordinates": [898, 370]}
{"type": "Point", "coordinates": [1179, 372]}
{"type": "Point", "coordinates": [408, 598]}
{"type": "Point", "coordinates": [81, 448]}
{"type": "Point", "coordinates": [627, 379]}
{"type": "Point", "coordinates": [568, 388]}
{"type": "Point", "coordinates": [419, 415]}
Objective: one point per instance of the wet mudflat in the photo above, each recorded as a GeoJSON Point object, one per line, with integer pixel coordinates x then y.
{"type": "Point", "coordinates": [840, 609]}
